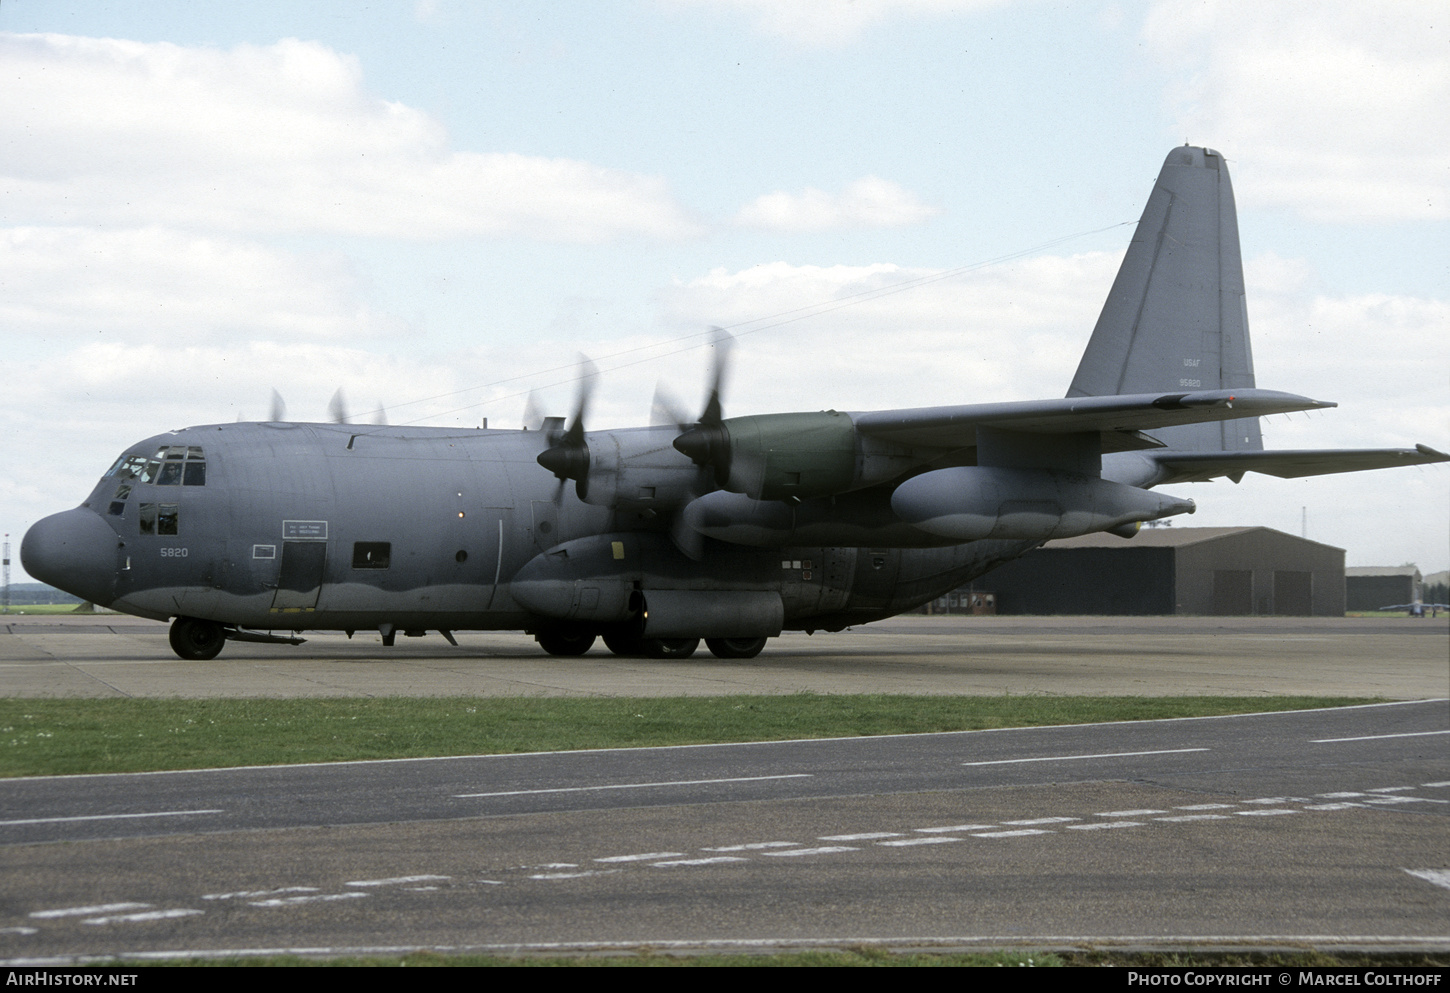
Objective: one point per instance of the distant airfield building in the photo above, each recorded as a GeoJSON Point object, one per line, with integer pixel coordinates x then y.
{"type": "Point", "coordinates": [1375, 587]}
{"type": "Point", "coordinates": [1169, 570]}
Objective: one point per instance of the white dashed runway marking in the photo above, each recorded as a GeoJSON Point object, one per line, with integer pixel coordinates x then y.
{"type": "Point", "coordinates": [1042, 828]}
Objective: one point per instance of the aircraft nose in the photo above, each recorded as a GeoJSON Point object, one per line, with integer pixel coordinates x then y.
{"type": "Point", "coordinates": [74, 551]}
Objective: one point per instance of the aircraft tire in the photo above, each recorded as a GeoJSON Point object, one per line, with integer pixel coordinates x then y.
{"type": "Point", "coordinates": [565, 642]}
{"type": "Point", "coordinates": [624, 644]}
{"type": "Point", "coordinates": [196, 640]}
{"type": "Point", "coordinates": [670, 648]}
{"type": "Point", "coordinates": [735, 648]}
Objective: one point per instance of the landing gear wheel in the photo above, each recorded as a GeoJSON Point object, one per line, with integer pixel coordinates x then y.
{"type": "Point", "coordinates": [670, 648]}
{"type": "Point", "coordinates": [196, 640]}
{"type": "Point", "coordinates": [735, 648]}
{"type": "Point", "coordinates": [622, 643]}
{"type": "Point", "coordinates": [565, 642]}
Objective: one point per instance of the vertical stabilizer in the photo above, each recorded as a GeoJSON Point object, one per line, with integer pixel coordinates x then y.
{"type": "Point", "coordinates": [1175, 318]}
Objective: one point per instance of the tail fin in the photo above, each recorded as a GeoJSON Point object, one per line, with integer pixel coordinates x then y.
{"type": "Point", "coordinates": [1175, 318]}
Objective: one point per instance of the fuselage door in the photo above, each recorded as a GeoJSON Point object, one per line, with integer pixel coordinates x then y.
{"type": "Point", "coordinates": [300, 579]}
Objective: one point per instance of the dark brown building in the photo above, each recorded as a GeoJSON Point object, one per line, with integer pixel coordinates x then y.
{"type": "Point", "coordinates": [1207, 571]}
{"type": "Point", "coordinates": [1373, 588]}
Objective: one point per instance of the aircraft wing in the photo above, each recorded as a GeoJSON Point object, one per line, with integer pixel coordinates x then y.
{"type": "Point", "coordinates": [1197, 467]}
{"type": "Point", "coordinates": [1118, 418]}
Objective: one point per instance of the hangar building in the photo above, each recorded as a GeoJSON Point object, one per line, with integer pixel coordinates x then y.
{"type": "Point", "coordinates": [1169, 570]}
{"type": "Point", "coordinates": [1373, 588]}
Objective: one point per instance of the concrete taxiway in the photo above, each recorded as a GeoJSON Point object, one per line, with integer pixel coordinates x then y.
{"type": "Point", "coordinates": [1396, 658]}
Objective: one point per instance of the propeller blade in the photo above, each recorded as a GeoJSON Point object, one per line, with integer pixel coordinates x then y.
{"type": "Point", "coordinates": [587, 378]}
{"type": "Point", "coordinates": [381, 417]}
{"type": "Point", "coordinates": [337, 408]}
{"type": "Point", "coordinates": [707, 443]}
{"type": "Point", "coordinates": [533, 412]}
{"type": "Point", "coordinates": [667, 411]}
{"type": "Point", "coordinates": [723, 342]}
{"type": "Point", "coordinates": [279, 408]}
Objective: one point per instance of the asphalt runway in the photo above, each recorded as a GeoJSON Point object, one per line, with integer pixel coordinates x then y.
{"type": "Point", "coordinates": [1395, 658]}
{"type": "Point", "coordinates": [1323, 829]}
{"type": "Point", "coordinates": [1319, 828]}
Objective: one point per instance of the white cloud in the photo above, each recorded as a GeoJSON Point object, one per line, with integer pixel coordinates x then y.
{"type": "Point", "coordinates": [1342, 104]}
{"type": "Point", "coordinates": [281, 138]}
{"type": "Point", "coordinates": [855, 337]}
{"type": "Point", "coordinates": [154, 284]}
{"type": "Point", "coordinates": [868, 202]}
{"type": "Point", "coordinates": [836, 22]}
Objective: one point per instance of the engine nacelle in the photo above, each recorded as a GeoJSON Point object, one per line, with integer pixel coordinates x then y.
{"type": "Point", "coordinates": [973, 502]}
{"type": "Point", "coordinates": [636, 469]}
{"type": "Point", "coordinates": [793, 456]}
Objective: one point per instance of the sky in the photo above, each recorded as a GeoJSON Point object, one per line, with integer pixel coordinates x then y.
{"type": "Point", "coordinates": [437, 206]}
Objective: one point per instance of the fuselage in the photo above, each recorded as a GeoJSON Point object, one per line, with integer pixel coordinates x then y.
{"type": "Point", "coordinates": [291, 527]}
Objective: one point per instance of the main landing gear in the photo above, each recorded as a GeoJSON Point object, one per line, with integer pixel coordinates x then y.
{"type": "Point", "coordinates": [197, 640]}
{"type": "Point", "coordinates": [627, 644]}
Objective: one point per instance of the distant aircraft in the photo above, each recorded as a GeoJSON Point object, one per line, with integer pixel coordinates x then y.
{"type": "Point", "coordinates": [1418, 608]}
{"type": "Point", "coordinates": [729, 529]}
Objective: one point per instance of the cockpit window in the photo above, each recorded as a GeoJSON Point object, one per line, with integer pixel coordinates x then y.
{"type": "Point", "coordinates": [159, 518]}
{"type": "Point", "coordinates": [173, 465]}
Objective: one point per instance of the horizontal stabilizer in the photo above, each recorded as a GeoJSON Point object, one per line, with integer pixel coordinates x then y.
{"type": "Point", "coordinates": [1197, 467]}
{"type": "Point", "coordinates": [1117, 417]}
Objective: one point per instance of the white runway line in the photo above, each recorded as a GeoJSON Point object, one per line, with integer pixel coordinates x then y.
{"type": "Point", "coordinates": [254, 894]}
{"type": "Point", "coordinates": [1101, 755]}
{"type": "Point", "coordinates": [1439, 877]}
{"type": "Point", "coordinates": [827, 850]}
{"type": "Point", "coordinates": [646, 857]}
{"type": "Point", "coordinates": [103, 908]}
{"type": "Point", "coordinates": [633, 786]}
{"type": "Point", "coordinates": [292, 901]}
{"type": "Point", "coordinates": [936, 839]}
{"type": "Point", "coordinates": [1375, 737]}
{"type": "Point", "coordinates": [395, 880]}
{"type": "Point", "coordinates": [109, 817]}
{"type": "Point", "coordinates": [149, 915]}
{"type": "Point", "coordinates": [1011, 834]}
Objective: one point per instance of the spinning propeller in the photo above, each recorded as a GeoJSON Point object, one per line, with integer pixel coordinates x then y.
{"type": "Point", "coordinates": [707, 442]}
{"type": "Point", "coordinates": [567, 456]}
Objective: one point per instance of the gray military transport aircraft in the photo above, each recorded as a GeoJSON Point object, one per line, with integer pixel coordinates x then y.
{"type": "Point", "coordinates": [730, 529]}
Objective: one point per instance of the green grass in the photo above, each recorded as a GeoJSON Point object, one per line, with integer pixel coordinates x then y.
{"type": "Point", "coordinates": [63, 736]}
{"type": "Point", "coordinates": [50, 608]}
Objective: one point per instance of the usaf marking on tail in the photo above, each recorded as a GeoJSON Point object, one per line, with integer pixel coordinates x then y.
{"type": "Point", "coordinates": [729, 529]}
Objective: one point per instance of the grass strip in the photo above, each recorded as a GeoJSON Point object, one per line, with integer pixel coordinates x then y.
{"type": "Point", "coordinates": [68, 736]}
